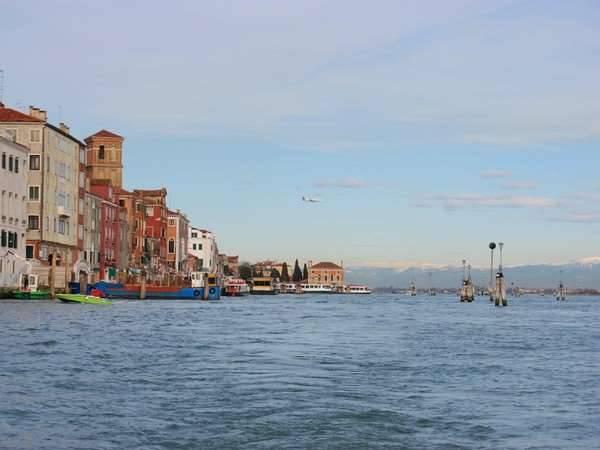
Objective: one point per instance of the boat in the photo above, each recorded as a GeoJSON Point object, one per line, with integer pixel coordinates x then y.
{"type": "Point", "coordinates": [235, 287]}
{"type": "Point", "coordinates": [356, 289]}
{"type": "Point", "coordinates": [467, 290]}
{"type": "Point", "coordinates": [308, 288]}
{"type": "Point", "coordinates": [263, 286]}
{"type": "Point", "coordinates": [413, 289]}
{"type": "Point", "coordinates": [80, 298]}
{"type": "Point", "coordinates": [289, 288]}
{"type": "Point", "coordinates": [31, 295]}
{"type": "Point", "coordinates": [195, 290]}
{"type": "Point", "coordinates": [561, 293]}
{"type": "Point", "coordinates": [29, 289]}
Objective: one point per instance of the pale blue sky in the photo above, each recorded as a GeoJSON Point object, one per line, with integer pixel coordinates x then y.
{"type": "Point", "coordinates": [428, 128]}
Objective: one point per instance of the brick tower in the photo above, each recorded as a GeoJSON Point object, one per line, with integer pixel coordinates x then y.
{"type": "Point", "coordinates": [105, 157]}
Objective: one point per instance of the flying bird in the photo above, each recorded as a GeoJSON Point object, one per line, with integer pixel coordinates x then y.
{"type": "Point", "coordinates": [310, 200]}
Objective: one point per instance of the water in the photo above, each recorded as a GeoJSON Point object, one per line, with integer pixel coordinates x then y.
{"type": "Point", "coordinates": [379, 371]}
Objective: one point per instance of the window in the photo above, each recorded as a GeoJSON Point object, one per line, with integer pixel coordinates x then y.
{"type": "Point", "coordinates": [12, 133]}
{"type": "Point", "coordinates": [34, 136]}
{"type": "Point", "coordinates": [48, 164]}
{"type": "Point", "coordinates": [33, 222]}
{"type": "Point", "coordinates": [29, 251]}
{"type": "Point", "coordinates": [34, 162]}
{"type": "Point", "coordinates": [149, 211]}
{"type": "Point", "coordinates": [10, 163]}
{"type": "Point", "coordinates": [11, 239]}
{"type": "Point", "coordinates": [171, 246]}
{"type": "Point", "coordinates": [3, 239]}
{"type": "Point", "coordinates": [81, 156]}
{"type": "Point", "coordinates": [201, 263]}
{"type": "Point", "coordinates": [194, 235]}
{"type": "Point", "coordinates": [194, 246]}
{"type": "Point", "coordinates": [171, 222]}
{"type": "Point", "coordinates": [101, 152]}
{"type": "Point", "coordinates": [122, 203]}
{"type": "Point", "coordinates": [16, 165]}
{"type": "Point", "coordinates": [4, 160]}
{"type": "Point", "coordinates": [34, 193]}
{"type": "Point", "coordinates": [199, 246]}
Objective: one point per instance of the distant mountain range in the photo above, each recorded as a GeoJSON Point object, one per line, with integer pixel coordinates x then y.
{"type": "Point", "coordinates": [584, 274]}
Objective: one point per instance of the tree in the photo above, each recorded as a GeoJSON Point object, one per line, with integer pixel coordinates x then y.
{"type": "Point", "coordinates": [285, 276]}
{"type": "Point", "coordinates": [305, 272]}
{"type": "Point", "coordinates": [275, 273]}
{"type": "Point", "coordinates": [245, 271]}
{"type": "Point", "coordinates": [297, 275]}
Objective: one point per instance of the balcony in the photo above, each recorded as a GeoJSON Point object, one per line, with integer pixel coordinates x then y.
{"type": "Point", "coordinates": [62, 212]}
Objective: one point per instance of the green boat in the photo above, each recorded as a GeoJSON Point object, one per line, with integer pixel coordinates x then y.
{"type": "Point", "coordinates": [32, 295]}
{"type": "Point", "coordinates": [80, 298]}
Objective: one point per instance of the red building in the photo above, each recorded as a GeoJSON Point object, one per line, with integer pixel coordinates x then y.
{"type": "Point", "coordinates": [155, 202]}
{"type": "Point", "coordinates": [109, 229]}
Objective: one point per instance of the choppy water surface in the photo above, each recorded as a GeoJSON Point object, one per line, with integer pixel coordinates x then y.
{"type": "Point", "coordinates": [379, 371]}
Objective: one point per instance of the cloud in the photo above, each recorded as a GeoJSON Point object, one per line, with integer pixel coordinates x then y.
{"type": "Point", "coordinates": [578, 217]}
{"type": "Point", "coordinates": [344, 183]}
{"type": "Point", "coordinates": [519, 186]}
{"type": "Point", "coordinates": [459, 201]}
{"type": "Point", "coordinates": [495, 174]}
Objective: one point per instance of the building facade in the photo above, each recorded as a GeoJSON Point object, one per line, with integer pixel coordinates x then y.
{"type": "Point", "coordinates": [155, 236]}
{"type": "Point", "coordinates": [202, 244]}
{"type": "Point", "coordinates": [326, 273]}
{"type": "Point", "coordinates": [92, 235]}
{"type": "Point", "coordinates": [105, 157]}
{"type": "Point", "coordinates": [109, 229]}
{"type": "Point", "coordinates": [13, 211]}
{"type": "Point", "coordinates": [177, 242]}
{"type": "Point", "coordinates": [53, 181]}
{"type": "Point", "coordinates": [135, 214]}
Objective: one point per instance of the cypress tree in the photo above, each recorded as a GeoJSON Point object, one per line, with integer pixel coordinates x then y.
{"type": "Point", "coordinates": [297, 275]}
{"type": "Point", "coordinates": [305, 272]}
{"type": "Point", "coordinates": [285, 276]}
{"type": "Point", "coordinates": [275, 274]}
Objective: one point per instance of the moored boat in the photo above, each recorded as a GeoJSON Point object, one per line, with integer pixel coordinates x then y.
{"type": "Point", "coordinates": [194, 292]}
{"type": "Point", "coordinates": [290, 288]}
{"type": "Point", "coordinates": [235, 287]}
{"type": "Point", "coordinates": [356, 289]}
{"type": "Point", "coordinates": [80, 298]}
{"type": "Point", "coordinates": [263, 286]}
{"type": "Point", "coordinates": [31, 295]}
{"type": "Point", "coordinates": [310, 288]}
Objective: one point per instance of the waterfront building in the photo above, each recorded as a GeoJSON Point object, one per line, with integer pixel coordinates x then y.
{"type": "Point", "coordinates": [109, 229]}
{"type": "Point", "coordinates": [231, 265]}
{"type": "Point", "coordinates": [123, 257]}
{"type": "Point", "coordinates": [202, 244]}
{"type": "Point", "coordinates": [13, 211]}
{"type": "Point", "coordinates": [135, 214]}
{"type": "Point", "coordinates": [326, 273]}
{"type": "Point", "coordinates": [105, 157]}
{"type": "Point", "coordinates": [155, 203]}
{"type": "Point", "coordinates": [53, 181]}
{"type": "Point", "coordinates": [177, 242]}
{"type": "Point", "coordinates": [92, 236]}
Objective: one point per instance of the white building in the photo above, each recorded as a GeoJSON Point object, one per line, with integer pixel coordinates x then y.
{"type": "Point", "coordinates": [13, 211]}
{"type": "Point", "coordinates": [203, 245]}
{"type": "Point", "coordinates": [177, 242]}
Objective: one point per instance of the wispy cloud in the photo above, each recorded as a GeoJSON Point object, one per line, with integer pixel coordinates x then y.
{"type": "Point", "coordinates": [519, 186]}
{"type": "Point", "coordinates": [495, 174]}
{"type": "Point", "coordinates": [459, 201]}
{"type": "Point", "coordinates": [578, 217]}
{"type": "Point", "coordinates": [344, 183]}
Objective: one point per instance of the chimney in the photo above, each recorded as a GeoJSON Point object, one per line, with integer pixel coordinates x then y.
{"type": "Point", "coordinates": [38, 113]}
{"type": "Point", "coordinates": [64, 128]}
{"type": "Point", "coordinates": [1, 105]}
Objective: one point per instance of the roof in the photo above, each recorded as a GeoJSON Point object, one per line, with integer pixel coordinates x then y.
{"type": "Point", "coordinates": [12, 115]}
{"type": "Point", "coordinates": [326, 265]}
{"type": "Point", "coordinates": [104, 134]}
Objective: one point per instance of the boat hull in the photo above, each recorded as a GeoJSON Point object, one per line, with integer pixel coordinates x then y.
{"type": "Point", "coordinates": [35, 295]}
{"type": "Point", "coordinates": [132, 291]}
{"type": "Point", "coordinates": [83, 299]}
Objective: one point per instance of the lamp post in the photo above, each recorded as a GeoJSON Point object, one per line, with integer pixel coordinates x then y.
{"type": "Point", "coordinates": [492, 246]}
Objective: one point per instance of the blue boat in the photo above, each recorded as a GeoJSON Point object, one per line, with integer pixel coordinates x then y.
{"type": "Point", "coordinates": [193, 292]}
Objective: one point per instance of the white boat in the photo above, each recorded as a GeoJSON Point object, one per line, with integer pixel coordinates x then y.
{"type": "Point", "coordinates": [289, 288]}
{"type": "Point", "coordinates": [356, 289]}
{"type": "Point", "coordinates": [235, 287]}
{"type": "Point", "coordinates": [308, 288]}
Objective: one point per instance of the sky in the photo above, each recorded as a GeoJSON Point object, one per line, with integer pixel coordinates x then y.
{"type": "Point", "coordinates": [427, 128]}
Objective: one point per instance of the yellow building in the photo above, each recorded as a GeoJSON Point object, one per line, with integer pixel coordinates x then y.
{"type": "Point", "coordinates": [53, 181]}
{"type": "Point", "coordinates": [325, 273]}
{"type": "Point", "coordinates": [105, 157]}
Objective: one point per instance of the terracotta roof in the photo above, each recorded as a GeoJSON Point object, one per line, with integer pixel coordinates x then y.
{"type": "Point", "coordinates": [326, 265]}
{"type": "Point", "coordinates": [11, 115]}
{"type": "Point", "coordinates": [105, 134]}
